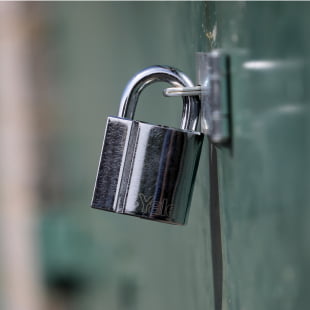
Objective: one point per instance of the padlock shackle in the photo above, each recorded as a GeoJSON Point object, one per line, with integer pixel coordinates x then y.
{"type": "Point", "coordinates": [176, 78]}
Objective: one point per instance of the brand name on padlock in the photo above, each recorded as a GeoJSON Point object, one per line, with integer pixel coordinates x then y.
{"type": "Point", "coordinates": [148, 206]}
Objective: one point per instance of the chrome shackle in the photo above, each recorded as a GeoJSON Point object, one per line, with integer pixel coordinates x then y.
{"type": "Point", "coordinates": [176, 78]}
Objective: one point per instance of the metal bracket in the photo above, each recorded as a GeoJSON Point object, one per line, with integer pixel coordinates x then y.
{"type": "Point", "coordinates": [213, 88]}
{"type": "Point", "coordinates": [212, 75]}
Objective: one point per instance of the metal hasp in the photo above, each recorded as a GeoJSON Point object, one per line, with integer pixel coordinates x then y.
{"type": "Point", "coordinates": [213, 77]}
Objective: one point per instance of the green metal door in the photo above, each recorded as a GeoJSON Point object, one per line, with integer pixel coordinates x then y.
{"type": "Point", "coordinates": [246, 242]}
{"type": "Point", "coordinates": [264, 177]}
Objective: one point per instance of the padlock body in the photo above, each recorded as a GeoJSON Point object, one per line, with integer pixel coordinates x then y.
{"type": "Point", "coordinates": [147, 170]}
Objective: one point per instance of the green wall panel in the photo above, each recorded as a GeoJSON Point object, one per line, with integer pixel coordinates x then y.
{"type": "Point", "coordinates": [264, 177]}
{"type": "Point", "coordinates": [254, 253]}
{"type": "Point", "coordinates": [120, 262]}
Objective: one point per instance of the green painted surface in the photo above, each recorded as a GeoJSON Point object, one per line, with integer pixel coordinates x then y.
{"type": "Point", "coordinates": [264, 179]}
{"type": "Point", "coordinates": [127, 263]}
{"type": "Point", "coordinates": [120, 262]}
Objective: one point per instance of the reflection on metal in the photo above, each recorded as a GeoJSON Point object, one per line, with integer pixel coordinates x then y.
{"type": "Point", "coordinates": [149, 170]}
{"type": "Point", "coordinates": [182, 91]}
{"type": "Point", "coordinates": [213, 88]}
{"type": "Point", "coordinates": [191, 105]}
{"type": "Point", "coordinates": [212, 76]}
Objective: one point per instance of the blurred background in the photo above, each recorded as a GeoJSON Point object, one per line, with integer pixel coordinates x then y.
{"type": "Point", "coordinates": [63, 67]}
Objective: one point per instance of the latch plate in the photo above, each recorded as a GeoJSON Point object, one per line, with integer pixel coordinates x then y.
{"type": "Point", "coordinates": [213, 76]}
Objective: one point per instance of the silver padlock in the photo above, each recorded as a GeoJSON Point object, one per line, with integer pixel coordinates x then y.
{"type": "Point", "coordinates": [148, 170]}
